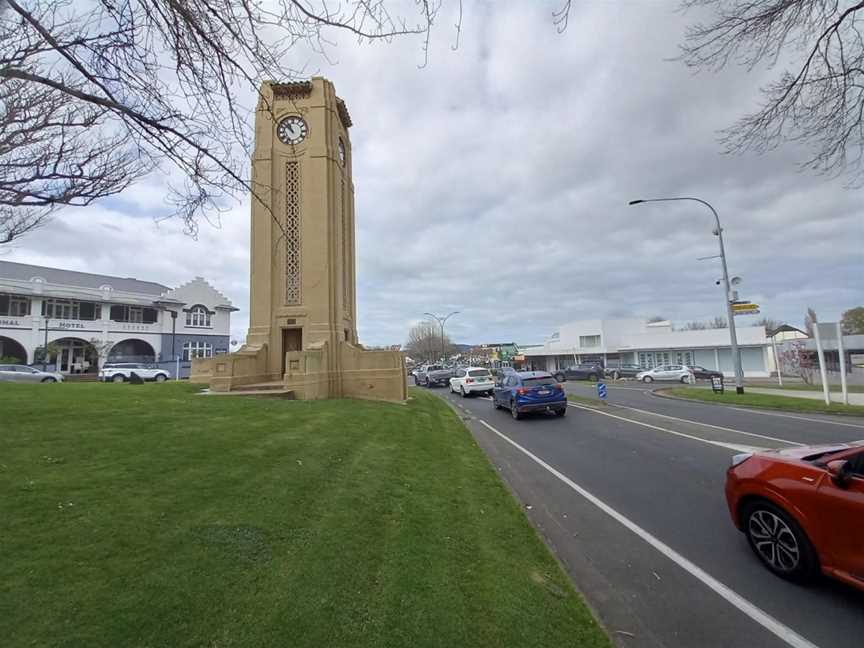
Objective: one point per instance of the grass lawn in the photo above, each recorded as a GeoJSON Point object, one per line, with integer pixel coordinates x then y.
{"type": "Point", "coordinates": [852, 389]}
{"type": "Point", "coordinates": [141, 516]}
{"type": "Point", "coordinates": [768, 401]}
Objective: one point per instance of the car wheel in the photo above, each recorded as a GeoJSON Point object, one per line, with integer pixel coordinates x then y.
{"type": "Point", "coordinates": [495, 403]}
{"type": "Point", "coordinates": [117, 378]}
{"type": "Point", "coordinates": [161, 378]}
{"type": "Point", "coordinates": [779, 542]}
{"type": "Point", "coordinates": [561, 412]}
{"type": "Point", "coordinates": [462, 391]}
{"type": "Point", "coordinates": [647, 379]}
{"type": "Point", "coordinates": [49, 379]}
{"type": "Point", "coordinates": [514, 412]}
{"type": "Point", "coordinates": [560, 377]}
{"type": "Point", "coordinates": [685, 379]}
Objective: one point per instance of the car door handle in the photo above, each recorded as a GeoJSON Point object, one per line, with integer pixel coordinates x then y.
{"type": "Point", "coordinates": [809, 480]}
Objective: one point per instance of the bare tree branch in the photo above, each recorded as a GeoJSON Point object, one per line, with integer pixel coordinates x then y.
{"type": "Point", "coordinates": [820, 102]}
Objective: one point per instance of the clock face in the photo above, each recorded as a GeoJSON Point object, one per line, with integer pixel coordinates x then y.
{"type": "Point", "coordinates": [292, 130]}
{"type": "Point", "coordinates": [341, 152]}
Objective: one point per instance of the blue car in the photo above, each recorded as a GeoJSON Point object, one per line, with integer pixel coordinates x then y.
{"type": "Point", "coordinates": [530, 391]}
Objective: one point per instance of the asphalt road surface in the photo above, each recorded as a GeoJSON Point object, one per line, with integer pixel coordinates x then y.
{"type": "Point", "coordinates": [630, 498]}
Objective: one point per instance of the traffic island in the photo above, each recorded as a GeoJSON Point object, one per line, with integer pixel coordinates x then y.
{"type": "Point", "coordinates": [154, 517]}
{"type": "Point", "coordinates": [761, 400]}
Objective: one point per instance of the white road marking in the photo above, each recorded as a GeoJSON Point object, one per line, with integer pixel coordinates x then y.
{"type": "Point", "coordinates": [782, 631]}
{"type": "Point", "coordinates": [729, 446]}
{"type": "Point", "coordinates": [800, 418]}
{"type": "Point", "coordinates": [711, 425]}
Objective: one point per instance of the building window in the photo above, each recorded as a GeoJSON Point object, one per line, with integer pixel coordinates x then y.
{"type": "Point", "coordinates": [684, 358]}
{"type": "Point", "coordinates": [589, 341]}
{"type": "Point", "coordinates": [197, 350]}
{"type": "Point", "coordinates": [14, 306]}
{"type": "Point", "coordinates": [198, 316]}
{"type": "Point", "coordinates": [134, 314]}
{"type": "Point", "coordinates": [68, 309]}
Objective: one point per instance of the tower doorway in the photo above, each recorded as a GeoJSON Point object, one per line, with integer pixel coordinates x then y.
{"type": "Point", "coordinates": [292, 340]}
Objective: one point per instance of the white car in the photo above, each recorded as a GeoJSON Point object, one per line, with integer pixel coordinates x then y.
{"type": "Point", "coordinates": [472, 380]}
{"type": "Point", "coordinates": [676, 373]}
{"type": "Point", "coordinates": [122, 371]}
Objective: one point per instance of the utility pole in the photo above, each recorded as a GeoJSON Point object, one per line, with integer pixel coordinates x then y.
{"type": "Point", "coordinates": [728, 297]}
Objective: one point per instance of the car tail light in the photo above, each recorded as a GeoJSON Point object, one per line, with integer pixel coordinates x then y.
{"type": "Point", "coordinates": [469, 380]}
{"type": "Point", "coordinates": [521, 391]}
{"type": "Point", "coordinates": [559, 387]}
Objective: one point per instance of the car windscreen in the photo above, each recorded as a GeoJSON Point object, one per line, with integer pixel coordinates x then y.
{"type": "Point", "coordinates": [537, 382]}
{"type": "Point", "coordinates": [433, 368]}
{"type": "Point", "coordinates": [478, 372]}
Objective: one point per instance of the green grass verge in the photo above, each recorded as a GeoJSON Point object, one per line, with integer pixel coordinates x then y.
{"type": "Point", "coordinates": [149, 516]}
{"type": "Point", "coordinates": [768, 401]}
{"type": "Point", "coordinates": [852, 389]}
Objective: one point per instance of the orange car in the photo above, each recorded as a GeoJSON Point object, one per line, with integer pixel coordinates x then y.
{"type": "Point", "coordinates": [802, 509]}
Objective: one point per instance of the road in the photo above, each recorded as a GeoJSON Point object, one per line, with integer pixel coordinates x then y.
{"type": "Point", "coordinates": [630, 498]}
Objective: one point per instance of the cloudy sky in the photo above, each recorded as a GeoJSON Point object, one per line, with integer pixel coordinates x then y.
{"type": "Point", "coordinates": [495, 182]}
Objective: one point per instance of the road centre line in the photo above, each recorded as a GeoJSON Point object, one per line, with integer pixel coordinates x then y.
{"type": "Point", "coordinates": [758, 615]}
{"type": "Point", "coordinates": [721, 444]}
{"type": "Point", "coordinates": [800, 418]}
{"type": "Point", "coordinates": [711, 425]}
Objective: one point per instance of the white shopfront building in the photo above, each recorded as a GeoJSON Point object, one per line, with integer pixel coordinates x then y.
{"type": "Point", "coordinates": [85, 320]}
{"type": "Point", "coordinates": [649, 345]}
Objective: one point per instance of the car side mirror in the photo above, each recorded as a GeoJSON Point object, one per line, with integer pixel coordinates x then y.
{"type": "Point", "coordinates": [839, 471]}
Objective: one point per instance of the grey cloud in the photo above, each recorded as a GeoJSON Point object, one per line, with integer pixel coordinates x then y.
{"type": "Point", "coordinates": [494, 181]}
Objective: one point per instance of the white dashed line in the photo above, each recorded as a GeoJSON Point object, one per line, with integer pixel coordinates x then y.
{"type": "Point", "coordinates": [711, 425]}
{"type": "Point", "coordinates": [729, 446]}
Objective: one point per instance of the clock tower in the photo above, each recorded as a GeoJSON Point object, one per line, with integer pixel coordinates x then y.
{"type": "Point", "coordinates": [303, 302]}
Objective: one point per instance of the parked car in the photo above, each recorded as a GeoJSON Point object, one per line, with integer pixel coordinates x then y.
{"type": "Point", "coordinates": [585, 371]}
{"type": "Point", "coordinates": [622, 370]}
{"type": "Point", "coordinates": [802, 509]}
{"type": "Point", "coordinates": [23, 373]}
{"type": "Point", "coordinates": [701, 373]}
{"type": "Point", "coordinates": [472, 380]}
{"type": "Point", "coordinates": [529, 391]}
{"type": "Point", "coordinates": [122, 371]}
{"type": "Point", "coordinates": [677, 373]}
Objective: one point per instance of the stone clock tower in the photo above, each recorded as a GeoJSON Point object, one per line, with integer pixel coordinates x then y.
{"type": "Point", "coordinates": [303, 302]}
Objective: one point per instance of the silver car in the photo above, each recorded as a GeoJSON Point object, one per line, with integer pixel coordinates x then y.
{"type": "Point", "coordinates": [676, 373]}
{"type": "Point", "coordinates": [23, 373]}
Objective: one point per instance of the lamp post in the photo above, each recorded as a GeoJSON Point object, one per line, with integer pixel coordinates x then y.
{"type": "Point", "coordinates": [173, 333]}
{"type": "Point", "coordinates": [441, 321]}
{"type": "Point", "coordinates": [45, 348]}
{"type": "Point", "coordinates": [718, 232]}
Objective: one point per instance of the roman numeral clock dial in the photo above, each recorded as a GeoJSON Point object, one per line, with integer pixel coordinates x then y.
{"type": "Point", "coordinates": [292, 130]}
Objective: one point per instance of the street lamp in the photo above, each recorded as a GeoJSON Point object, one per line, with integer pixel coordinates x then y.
{"type": "Point", "coordinates": [718, 232]}
{"type": "Point", "coordinates": [441, 321]}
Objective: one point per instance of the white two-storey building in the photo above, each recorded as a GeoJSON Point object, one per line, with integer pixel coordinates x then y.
{"type": "Point", "coordinates": [85, 320]}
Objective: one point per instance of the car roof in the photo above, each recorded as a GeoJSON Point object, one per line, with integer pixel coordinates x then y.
{"type": "Point", "coordinates": [533, 374]}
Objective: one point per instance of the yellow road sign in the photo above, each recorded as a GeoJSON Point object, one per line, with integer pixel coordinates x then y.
{"type": "Point", "coordinates": [744, 307]}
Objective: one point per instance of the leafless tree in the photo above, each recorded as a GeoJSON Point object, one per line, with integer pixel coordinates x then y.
{"type": "Point", "coordinates": [424, 342]}
{"type": "Point", "coordinates": [718, 322]}
{"type": "Point", "coordinates": [810, 321]}
{"type": "Point", "coordinates": [818, 98]}
{"type": "Point", "coordinates": [769, 323]}
{"type": "Point", "coordinates": [95, 93]}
